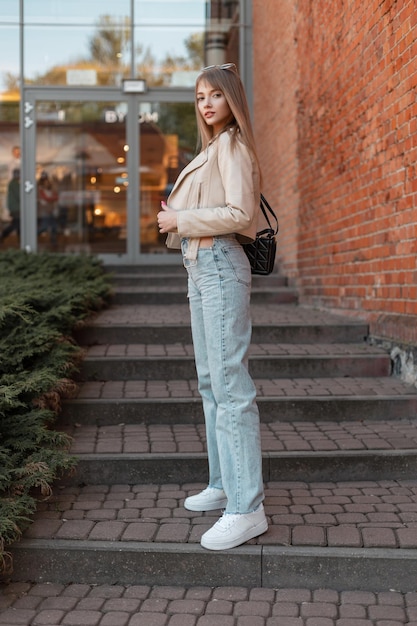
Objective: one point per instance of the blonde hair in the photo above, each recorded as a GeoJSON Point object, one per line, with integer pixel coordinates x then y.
{"type": "Point", "coordinates": [228, 82]}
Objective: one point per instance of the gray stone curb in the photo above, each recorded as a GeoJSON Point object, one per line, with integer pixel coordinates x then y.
{"type": "Point", "coordinates": [285, 366]}
{"type": "Point", "coordinates": [104, 562]}
{"type": "Point", "coordinates": [192, 467]}
{"type": "Point", "coordinates": [189, 411]}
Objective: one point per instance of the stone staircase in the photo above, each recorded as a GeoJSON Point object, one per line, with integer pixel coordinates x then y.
{"type": "Point", "coordinates": [339, 439]}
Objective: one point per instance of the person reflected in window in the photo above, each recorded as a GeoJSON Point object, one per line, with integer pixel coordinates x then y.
{"type": "Point", "coordinates": [213, 209]}
{"type": "Point", "coordinates": [15, 162]}
{"type": "Point", "coordinates": [47, 208]}
{"type": "Point", "coordinates": [13, 204]}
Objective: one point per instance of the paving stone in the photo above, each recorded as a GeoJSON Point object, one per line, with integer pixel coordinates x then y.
{"type": "Point", "coordinates": [182, 620]}
{"type": "Point", "coordinates": [149, 619]}
{"type": "Point", "coordinates": [195, 607]}
{"type": "Point", "coordinates": [215, 620]}
{"type": "Point", "coordinates": [250, 620]}
{"type": "Point", "coordinates": [11, 616]}
{"type": "Point", "coordinates": [252, 607]}
{"type": "Point", "coordinates": [284, 621]}
{"type": "Point", "coordinates": [318, 609]}
{"type": "Point", "coordinates": [115, 618]}
{"type": "Point", "coordinates": [82, 618]}
{"type": "Point", "coordinates": [290, 609]}
{"type": "Point", "coordinates": [126, 605]}
{"type": "Point", "coordinates": [51, 617]}
{"type": "Point", "coordinates": [222, 607]}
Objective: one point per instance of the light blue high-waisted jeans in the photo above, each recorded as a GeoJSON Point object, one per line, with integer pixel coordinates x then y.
{"type": "Point", "coordinates": [219, 284]}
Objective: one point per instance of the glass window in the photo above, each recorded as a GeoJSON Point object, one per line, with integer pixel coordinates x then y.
{"type": "Point", "coordinates": [77, 43]}
{"type": "Point", "coordinates": [173, 39]}
{"type": "Point", "coordinates": [69, 55]}
{"type": "Point", "coordinates": [9, 61]}
{"type": "Point", "coordinates": [73, 11]}
{"type": "Point", "coordinates": [9, 12]}
{"type": "Point", "coordinates": [165, 65]}
{"type": "Point", "coordinates": [169, 40]}
{"type": "Point", "coordinates": [9, 163]}
{"type": "Point", "coordinates": [9, 121]}
{"type": "Point", "coordinates": [81, 176]}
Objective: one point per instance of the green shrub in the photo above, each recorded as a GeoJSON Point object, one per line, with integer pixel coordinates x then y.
{"type": "Point", "coordinates": [42, 300]}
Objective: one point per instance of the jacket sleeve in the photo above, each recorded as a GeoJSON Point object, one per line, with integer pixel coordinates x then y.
{"type": "Point", "coordinates": [236, 171]}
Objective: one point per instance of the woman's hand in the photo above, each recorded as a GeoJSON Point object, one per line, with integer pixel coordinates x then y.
{"type": "Point", "coordinates": [167, 219]}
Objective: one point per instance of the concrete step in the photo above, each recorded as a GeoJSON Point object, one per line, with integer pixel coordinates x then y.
{"type": "Point", "coordinates": [317, 451]}
{"type": "Point", "coordinates": [340, 535]}
{"type": "Point", "coordinates": [107, 411]}
{"type": "Point", "coordinates": [176, 295]}
{"type": "Point", "coordinates": [114, 333]}
{"type": "Point", "coordinates": [168, 402]}
{"type": "Point", "coordinates": [176, 361]}
{"type": "Point", "coordinates": [171, 324]}
{"type": "Point", "coordinates": [321, 466]}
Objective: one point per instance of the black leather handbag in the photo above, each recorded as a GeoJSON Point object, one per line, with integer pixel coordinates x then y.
{"type": "Point", "coordinates": [261, 252]}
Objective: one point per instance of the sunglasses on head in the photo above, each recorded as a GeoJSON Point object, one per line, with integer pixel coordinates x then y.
{"type": "Point", "coordinates": [225, 66]}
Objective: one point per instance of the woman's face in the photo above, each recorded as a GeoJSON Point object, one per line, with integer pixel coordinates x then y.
{"type": "Point", "coordinates": [213, 106]}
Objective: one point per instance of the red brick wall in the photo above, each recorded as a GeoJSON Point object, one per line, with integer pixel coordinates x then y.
{"type": "Point", "coordinates": [336, 121]}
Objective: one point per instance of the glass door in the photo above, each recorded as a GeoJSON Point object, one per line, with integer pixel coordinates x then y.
{"type": "Point", "coordinates": [81, 176]}
{"type": "Point", "coordinates": [96, 170]}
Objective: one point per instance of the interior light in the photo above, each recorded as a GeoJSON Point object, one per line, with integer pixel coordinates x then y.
{"type": "Point", "coordinates": [116, 189]}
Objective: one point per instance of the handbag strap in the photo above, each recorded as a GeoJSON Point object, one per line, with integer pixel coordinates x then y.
{"type": "Point", "coordinates": [266, 207]}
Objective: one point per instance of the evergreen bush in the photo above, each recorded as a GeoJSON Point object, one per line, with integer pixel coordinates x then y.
{"type": "Point", "coordinates": [42, 300]}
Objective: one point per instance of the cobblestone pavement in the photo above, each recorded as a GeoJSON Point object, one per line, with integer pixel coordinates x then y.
{"type": "Point", "coordinates": [350, 514]}
{"type": "Point", "coordinates": [276, 437]}
{"type": "Point", "coordinates": [368, 514]}
{"type": "Point", "coordinates": [285, 387]}
{"type": "Point", "coordinates": [256, 349]}
{"type": "Point", "coordinates": [85, 605]}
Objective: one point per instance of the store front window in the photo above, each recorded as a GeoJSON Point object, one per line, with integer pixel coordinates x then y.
{"type": "Point", "coordinates": [105, 155]}
{"type": "Point", "coordinates": [83, 172]}
{"type": "Point", "coordinates": [81, 176]}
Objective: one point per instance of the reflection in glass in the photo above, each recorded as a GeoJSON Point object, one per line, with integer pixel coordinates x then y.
{"type": "Point", "coordinates": [99, 44]}
{"type": "Point", "coordinates": [175, 57]}
{"type": "Point", "coordinates": [9, 161]}
{"type": "Point", "coordinates": [73, 11]}
{"type": "Point", "coordinates": [9, 63]}
{"type": "Point", "coordinates": [169, 41]}
{"type": "Point", "coordinates": [81, 176]}
{"type": "Point", "coordinates": [9, 12]}
{"type": "Point", "coordinates": [170, 12]}
{"type": "Point", "coordinates": [167, 144]}
{"type": "Point", "coordinates": [82, 55]}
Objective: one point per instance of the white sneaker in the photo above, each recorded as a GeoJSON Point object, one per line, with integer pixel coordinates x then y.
{"type": "Point", "coordinates": [207, 500]}
{"type": "Point", "coordinates": [232, 530]}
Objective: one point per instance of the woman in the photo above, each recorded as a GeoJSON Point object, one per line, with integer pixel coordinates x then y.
{"type": "Point", "coordinates": [212, 209]}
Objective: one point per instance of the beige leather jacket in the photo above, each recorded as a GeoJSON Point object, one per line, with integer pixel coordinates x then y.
{"type": "Point", "coordinates": [216, 194]}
